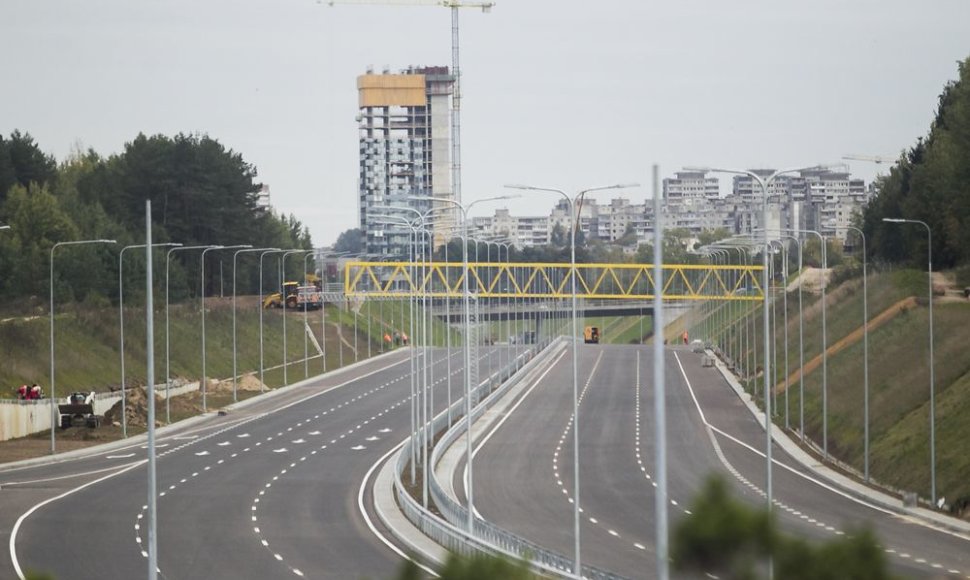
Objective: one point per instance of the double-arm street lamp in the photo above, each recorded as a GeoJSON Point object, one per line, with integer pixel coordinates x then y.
{"type": "Point", "coordinates": [419, 389]}
{"type": "Point", "coordinates": [53, 392]}
{"type": "Point", "coordinates": [929, 274]}
{"type": "Point", "coordinates": [121, 323]}
{"type": "Point", "coordinates": [466, 306]}
{"type": "Point", "coordinates": [763, 183]}
{"type": "Point", "coordinates": [571, 202]}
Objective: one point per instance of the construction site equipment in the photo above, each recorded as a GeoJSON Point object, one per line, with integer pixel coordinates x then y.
{"type": "Point", "coordinates": [79, 411]}
{"type": "Point", "coordinates": [591, 335]}
{"type": "Point", "coordinates": [296, 297]}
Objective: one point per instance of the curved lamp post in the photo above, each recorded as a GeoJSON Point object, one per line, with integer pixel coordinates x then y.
{"type": "Point", "coordinates": [168, 373]}
{"type": "Point", "coordinates": [286, 380]}
{"type": "Point", "coordinates": [121, 323]}
{"type": "Point", "coordinates": [865, 345]}
{"type": "Point", "coordinates": [234, 256]}
{"type": "Point", "coordinates": [825, 348]}
{"type": "Point", "coordinates": [763, 183]}
{"type": "Point", "coordinates": [929, 274]}
{"type": "Point", "coordinates": [466, 305]}
{"type": "Point", "coordinates": [574, 222]}
{"type": "Point", "coordinates": [53, 392]}
{"type": "Point", "coordinates": [204, 382]}
{"type": "Point", "coordinates": [262, 381]}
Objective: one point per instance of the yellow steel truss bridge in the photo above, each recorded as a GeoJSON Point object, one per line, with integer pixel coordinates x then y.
{"type": "Point", "coordinates": [552, 280]}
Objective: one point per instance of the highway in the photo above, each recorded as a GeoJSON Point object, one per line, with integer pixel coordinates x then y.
{"type": "Point", "coordinates": [270, 490]}
{"type": "Point", "coordinates": [267, 491]}
{"type": "Point", "coordinates": [526, 487]}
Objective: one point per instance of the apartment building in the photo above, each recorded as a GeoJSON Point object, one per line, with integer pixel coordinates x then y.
{"type": "Point", "coordinates": [404, 127]}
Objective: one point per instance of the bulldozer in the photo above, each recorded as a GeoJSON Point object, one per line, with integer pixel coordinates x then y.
{"type": "Point", "coordinates": [79, 411]}
{"type": "Point", "coordinates": [294, 296]}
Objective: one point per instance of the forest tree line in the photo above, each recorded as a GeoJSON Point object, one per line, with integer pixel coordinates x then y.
{"type": "Point", "coordinates": [201, 192]}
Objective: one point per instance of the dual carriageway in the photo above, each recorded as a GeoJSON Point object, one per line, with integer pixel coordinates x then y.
{"type": "Point", "coordinates": [282, 485]}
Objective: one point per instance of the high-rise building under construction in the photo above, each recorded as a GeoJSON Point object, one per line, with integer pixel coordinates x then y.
{"type": "Point", "coordinates": [405, 151]}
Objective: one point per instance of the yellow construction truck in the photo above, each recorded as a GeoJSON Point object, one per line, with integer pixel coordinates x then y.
{"type": "Point", "coordinates": [295, 296]}
{"type": "Point", "coordinates": [591, 335]}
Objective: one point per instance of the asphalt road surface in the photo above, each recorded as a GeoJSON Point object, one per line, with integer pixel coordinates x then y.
{"type": "Point", "coordinates": [524, 473]}
{"type": "Point", "coordinates": [266, 491]}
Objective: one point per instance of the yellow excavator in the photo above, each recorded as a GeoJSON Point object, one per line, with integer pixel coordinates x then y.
{"type": "Point", "coordinates": [297, 297]}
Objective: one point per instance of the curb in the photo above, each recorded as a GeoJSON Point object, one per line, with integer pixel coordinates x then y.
{"type": "Point", "coordinates": [846, 484]}
{"type": "Point", "coordinates": [183, 424]}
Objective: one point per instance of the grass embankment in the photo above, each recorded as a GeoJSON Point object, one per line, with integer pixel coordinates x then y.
{"type": "Point", "coordinates": [87, 342]}
{"type": "Point", "coordinates": [898, 379]}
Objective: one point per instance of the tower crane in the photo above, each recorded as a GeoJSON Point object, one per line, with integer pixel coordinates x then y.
{"type": "Point", "coordinates": [877, 159]}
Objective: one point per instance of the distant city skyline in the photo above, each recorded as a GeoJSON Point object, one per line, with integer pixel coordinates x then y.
{"type": "Point", "coordinates": [562, 94]}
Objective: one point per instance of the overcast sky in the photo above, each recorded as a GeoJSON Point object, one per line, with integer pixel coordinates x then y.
{"type": "Point", "coordinates": [557, 93]}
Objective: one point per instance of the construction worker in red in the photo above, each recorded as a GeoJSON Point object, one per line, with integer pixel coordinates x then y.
{"type": "Point", "coordinates": [685, 337]}
{"type": "Point", "coordinates": [22, 392]}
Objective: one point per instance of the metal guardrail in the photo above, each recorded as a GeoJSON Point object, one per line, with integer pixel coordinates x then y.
{"type": "Point", "coordinates": [486, 537]}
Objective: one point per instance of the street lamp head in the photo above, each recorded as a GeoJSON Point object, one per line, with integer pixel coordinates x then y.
{"type": "Point", "coordinates": [106, 241]}
{"type": "Point", "coordinates": [894, 220]}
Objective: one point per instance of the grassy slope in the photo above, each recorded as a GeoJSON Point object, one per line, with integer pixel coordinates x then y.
{"type": "Point", "coordinates": [87, 344]}
{"type": "Point", "coordinates": [898, 378]}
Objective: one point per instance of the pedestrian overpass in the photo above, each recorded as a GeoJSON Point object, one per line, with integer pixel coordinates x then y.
{"type": "Point", "coordinates": [515, 280]}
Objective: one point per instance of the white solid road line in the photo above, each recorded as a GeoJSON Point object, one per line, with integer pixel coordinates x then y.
{"type": "Point", "coordinates": [20, 520]}
{"type": "Point", "coordinates": [823, 485]}
{"type": "Point", "coordinates": [70, 476]}
{"type": "Point", "coordinates": [367, 520]}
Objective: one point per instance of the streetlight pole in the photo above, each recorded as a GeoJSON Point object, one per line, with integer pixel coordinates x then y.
{"type": "Point", "coordinates": [865, 346]}
{"type": "Point", "coordinates": [466, 300]}
{"type": "Point", "coordinates": [929, 274]}
{"type": "Point", "coordinates": [825, 348]}
{"type": "Point", "coordinates": [235, 254]}
{"type": "Point", "coordinates": [168, 373]}
{"type": "Point", "coordinates": [764, 183]}
{"type": "Point", "coordinates": [412, 361]}
{"type": "Point", "coordinates": [262, 382]}
{"type": "Point", "coordinates": [306, 322]}
{"type": "Point", "coordinates": [53, 392]}
{"type": "Point", "coordinates": [204, 383]}
{"type": "Point", "coordinates": [574, 223]}
{"type": "Point", "coordinates": [286, 380]}
{"type": "Point", "coordinates": [121, 323]}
